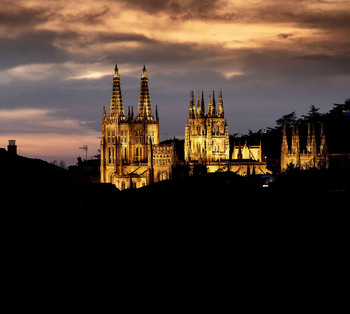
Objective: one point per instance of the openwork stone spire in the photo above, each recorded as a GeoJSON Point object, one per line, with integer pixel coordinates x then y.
{"type": "Point", "coordinates": [220, 105]}
{"type": "Point", "coordinates": [144, 109]}
{"type": "Point", "coordinates": [117, 107]}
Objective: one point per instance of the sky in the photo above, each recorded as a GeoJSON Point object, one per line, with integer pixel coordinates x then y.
{"type": "Point", "coordinates": [269, 58]}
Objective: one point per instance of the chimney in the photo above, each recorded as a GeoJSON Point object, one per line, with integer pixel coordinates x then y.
{"type": "Point", "coordinates": [12, 147]}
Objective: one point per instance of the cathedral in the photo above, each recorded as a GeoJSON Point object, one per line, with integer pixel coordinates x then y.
{"type": "Point", "coordinates": [311, 157]}
{"type": "Point", "coordinates": [207, 140]}
{"type": "Point", "coordinates": [133, 157]}
{"type": "Point", "coordinates": [206, 135]}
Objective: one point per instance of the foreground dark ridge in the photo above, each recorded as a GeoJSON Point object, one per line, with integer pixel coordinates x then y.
{"type": "Point", "coordinates": [34, 184]}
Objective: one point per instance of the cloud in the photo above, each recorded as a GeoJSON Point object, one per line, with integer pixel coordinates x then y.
{"type": "Point", "coordinates": [21, 16]}
{"type": "Point", "coordinates": [58, 57]}
{"type": "Point", "coordinates": [43, 133]}
{"type": "Point", "coordinates": [285, 35]}
{"type": "Point", "coordinates": [172, 6]}
{"type": "Point", "coordinates": [38, 120]}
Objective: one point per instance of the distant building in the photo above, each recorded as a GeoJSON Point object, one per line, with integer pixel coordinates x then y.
{"type": "Point", "coordinates": [247, 152]}
{"type": "Point", "coordinates": [86, 171]}
{"type": "Point", "coordinates": [206, 135]}
{"type": "Point", "coordinates": [311, 157]}
{"type": "Point", "coordinates": [131, 155]}
{"type": "Point", "coordinates": [207, 141]}
{"type": "Point", "coordinates": [12, 147]}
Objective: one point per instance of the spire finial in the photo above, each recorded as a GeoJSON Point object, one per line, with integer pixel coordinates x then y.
{"type": "Point", "coordinates": [210, 105]}
{"type": "Point", "coordinates": [214, 104]}
{"type": "Point", "coordinates": [192, 105]}
{"type": "Point", "coordinates": [144, 71]}
{"type": "Point", "coordinates": [116, 107]}
{"type": "Point", "coordinates": [144, 109]}
{"type": "Point", "coordinates": [202, 105]}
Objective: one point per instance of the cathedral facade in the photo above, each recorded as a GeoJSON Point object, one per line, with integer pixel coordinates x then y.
{"type": "Point", "coordinates": [206, 134]}
{"type": "Point", "coordinates": [311, 157]}
{"type": "Point", "coordinates": [131, 156]}
{"type": "Point", "coordinates": [207, 140]}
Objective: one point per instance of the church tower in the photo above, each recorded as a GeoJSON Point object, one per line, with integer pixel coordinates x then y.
{"type": "Point", "coordinates": [126, 143]}
{"type": "Point", "coordinates": [304, 159]}
{"type": "Point", "coordinates": [206, 134]}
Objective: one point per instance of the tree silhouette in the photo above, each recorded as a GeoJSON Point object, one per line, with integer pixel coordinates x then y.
{"type": "Point", "coordinates": [288, 120]}
{"type": "Point", "coordinates": [313, 115]}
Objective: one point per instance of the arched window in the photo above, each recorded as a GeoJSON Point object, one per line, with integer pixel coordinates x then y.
{"type": "Point", "coordinates": [138, 137]}
{"type": "Point", "coordinates": [218, 129]}
{"type": "Point", "coordinates": [138, 153]}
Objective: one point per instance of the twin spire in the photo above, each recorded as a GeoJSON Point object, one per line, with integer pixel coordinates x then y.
{"type": "Point", "coordinates": [144, 110]}
{"type": "Point", "coordinates": [117, 107]}
{"type": "Point", "coordinates": [144, 107]}
{"type": "Point", "coordinates": [199, 110]}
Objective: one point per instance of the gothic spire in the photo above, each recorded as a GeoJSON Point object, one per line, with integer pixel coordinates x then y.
{"type": "Point", "coordinates": [220, 105]}
{"type": "Point", "coordinates": [311, 140]}
{"type": "Point", "coordinates": [284, 139]}
{"type": "Point", "coordinates": [144, 109]}
{"type": "Point", "coordinates": [323, 144]}
{"type": "Point", "coordinates": [210, 106]}
{"type": "Point", "coordinates": [192, 106]}
{"type": "Point", "coordinates": [198, 105]}
{"type": "Point", "coordinates": [295, 140]}
{"type": "Point", "coordinates": [214, 105]}
{"type": "Point", "coordinates": [116, 107]}
{"type": "Point", "coordinates": [284, 149]}
{"type": "Point", "coordinates": [202, 105]}
{"type": "Point", "coordinates": [308, 143]}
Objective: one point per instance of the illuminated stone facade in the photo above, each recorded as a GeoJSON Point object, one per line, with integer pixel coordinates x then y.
{"type": "Point", "coordinates": [131, 155]}
{"type": "Point", "coordinates": [206, 135]}
{"type": "Point", "coordinates": [304, 159]}
{"type": "Point", "coordinates": [207, 141]}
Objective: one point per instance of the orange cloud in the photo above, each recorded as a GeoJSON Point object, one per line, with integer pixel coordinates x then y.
{"type": "Point", "coordinates": [41, 134]}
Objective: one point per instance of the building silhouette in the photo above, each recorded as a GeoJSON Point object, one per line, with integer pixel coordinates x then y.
{"type": "Point", "coordinates": [12, 147]}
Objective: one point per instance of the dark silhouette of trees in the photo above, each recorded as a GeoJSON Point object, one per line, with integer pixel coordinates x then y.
{"type": "Point", "coordinates": [313, 115]}
{"type": "Point", "coordinates": [336, 123]}
{"type": "Point", "coordinates": [288, 120]}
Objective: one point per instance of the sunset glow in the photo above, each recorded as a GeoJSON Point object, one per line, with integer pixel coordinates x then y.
{"type": "Point", "coordinates": [268, 57]}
